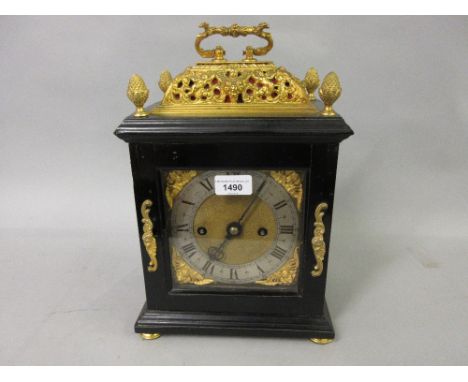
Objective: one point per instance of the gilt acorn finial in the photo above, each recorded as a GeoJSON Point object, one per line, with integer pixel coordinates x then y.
{"type": "Point", "coordinates": [137, 92]}
{"type": "Point", "coordinates": [311, 82]}
{"type": "Point", "coordinates": [165, 80]}
{"type": "Point", "coordinates": [329, 92]}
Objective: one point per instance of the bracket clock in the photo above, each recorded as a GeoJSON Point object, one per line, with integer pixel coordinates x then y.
{"type": "Point", "coordinates": [234, 175]}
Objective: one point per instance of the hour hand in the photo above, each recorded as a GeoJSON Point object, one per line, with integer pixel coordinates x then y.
{"type": "Point", "coordinates": [217, 253]}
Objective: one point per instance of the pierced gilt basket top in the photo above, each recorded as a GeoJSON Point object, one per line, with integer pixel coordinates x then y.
{"type": "Point", "coordinates": [236, 88]}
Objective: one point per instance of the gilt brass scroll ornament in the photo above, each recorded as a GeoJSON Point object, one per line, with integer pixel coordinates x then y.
{"type": "Point", "coordinates": [318, 243]}
{"type": "Point", "coordinates": [148, 238]}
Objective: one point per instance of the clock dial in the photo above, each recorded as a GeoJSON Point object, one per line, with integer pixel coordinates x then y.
{"type": "Point", "coordinates": [234, 239]}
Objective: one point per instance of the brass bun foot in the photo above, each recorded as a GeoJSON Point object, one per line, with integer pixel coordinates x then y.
{"type": "Point", "coordinates": [321, 341]}
{"type": "Point", "coordinates": [150, 336]}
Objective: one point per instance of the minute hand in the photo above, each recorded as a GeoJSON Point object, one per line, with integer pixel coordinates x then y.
{"type": "Point", "coordinates": [244, 214]}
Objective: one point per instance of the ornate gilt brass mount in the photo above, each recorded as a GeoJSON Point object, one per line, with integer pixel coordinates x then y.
{"type": "Point", "coordinates": [234, 86]}
{"type": "Point", "coordinates": [286, 275]}
{"type": "Point", "coordinates": [312, 82]}
{"type": "Point", "coordinates": [165, 80]}
{"type": "Point", "coordinates": [138, 93]}
{"type": "Point", "coordinates": [329, 92]}
{"type": "Point", "coordinates": [318, 243]}
{"type": "Point", "coordinates": [148, 238]}
{"type": "Point", "coordinates": [234, 30]}
{"type": "Point", "coordinates": [291, 182]}
{"type": "Point", "coordinates": [237, 88]}
{"type": "Point", "coordinates": [175, 182]}
{"type": "Point", "coordinates": [184, 273]}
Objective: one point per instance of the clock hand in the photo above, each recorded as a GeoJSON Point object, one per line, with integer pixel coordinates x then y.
{"type": "Point", "coordinates": [244, 214]}
{"type": "Point", "coordinates": [216, 253]}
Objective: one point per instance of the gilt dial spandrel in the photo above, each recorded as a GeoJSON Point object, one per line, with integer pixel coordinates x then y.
{"type": "Point", "coordinates": [235, 241]}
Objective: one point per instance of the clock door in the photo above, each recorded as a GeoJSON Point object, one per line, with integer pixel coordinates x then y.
{"type": "Point", "coordinates": [235, 230]}
{"type": "Point", "coordinates": [233, 253]}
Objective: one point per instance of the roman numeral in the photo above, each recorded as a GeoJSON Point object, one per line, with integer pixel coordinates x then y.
{"type": "Point", "coordinates": [278, 252]}
{"type": "Point", "coordinates": [206, 184]}
{"type": "Point", "coordinates": [233, 274]}
{"type": "Point", "coordinates": [208, 267]}
{"type": "Point", "coordinates": [182, 228]}
{"type": "Point", "coordinates": [189, 248]}
{"type": "Point", "coordinates": [260, 269]}
{"type": "Point", "coordinates": [279, 205]}
{"type": "Point", "coordinates": [286, 229]}
{"type": "Point", "coordinates": [187, 202]}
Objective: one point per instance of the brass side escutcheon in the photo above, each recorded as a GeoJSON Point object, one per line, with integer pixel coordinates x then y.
{"type": "Point", "coordinates": [148, 238]}
{"type": "Point", "coordinates": [318, 243]}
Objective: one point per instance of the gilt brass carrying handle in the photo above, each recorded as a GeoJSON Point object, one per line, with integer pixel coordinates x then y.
{"type": "Point", "coordinates": [148, 238]}
{"type": "Point", "coordinates": [318, 244]}
{"type": "Point", "coordinates": [234, 30]}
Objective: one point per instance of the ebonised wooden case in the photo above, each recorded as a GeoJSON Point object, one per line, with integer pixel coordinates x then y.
{"type": "Point", "coordinates": [309, 143]}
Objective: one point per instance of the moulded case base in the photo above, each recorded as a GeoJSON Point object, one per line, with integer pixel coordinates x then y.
{"type": "Point", "coordinates": [172, 322]}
